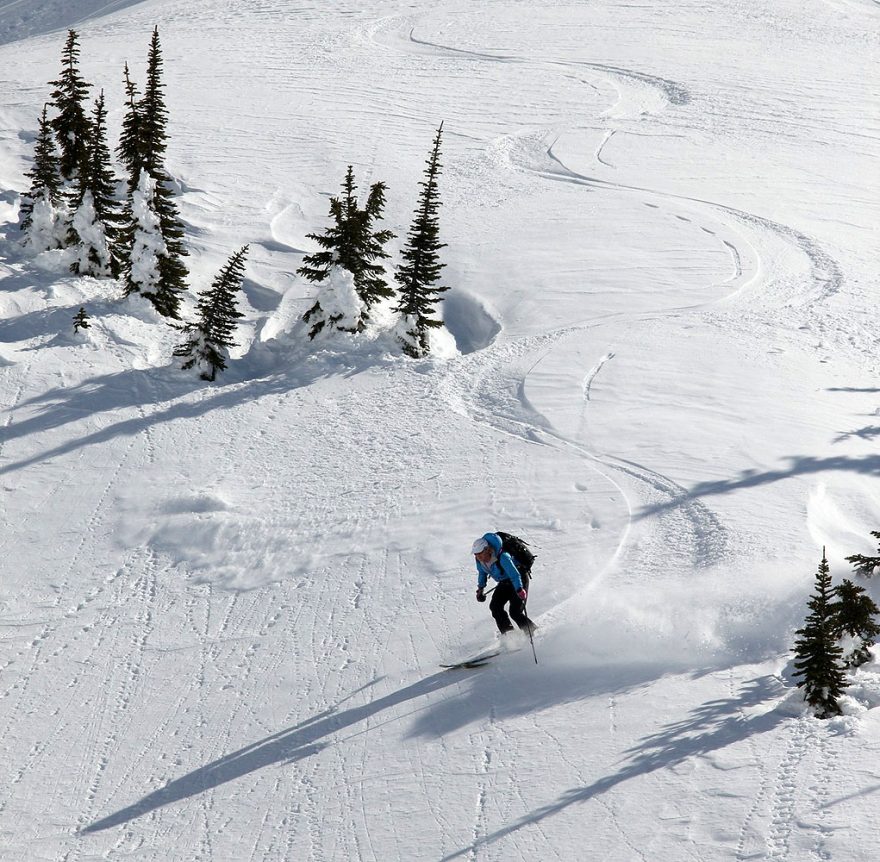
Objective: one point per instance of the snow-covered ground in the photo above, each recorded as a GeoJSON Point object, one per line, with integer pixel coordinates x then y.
{"type": "Point", "coordinates": [224, 607]}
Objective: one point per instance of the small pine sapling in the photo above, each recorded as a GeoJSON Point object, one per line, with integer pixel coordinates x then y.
{"type": "Point", "coordinates": [80, 321]}
{"type": "Point", "coordinates": [854, 619]}
{"type": "Point", "coordinates": [210, 337]}
{"type": "Point", "coordinates": [419, 273]}
{"type": "Point", "coordinates": [865, 565]}
{"type": "Point", "coordinates": [818, 655]}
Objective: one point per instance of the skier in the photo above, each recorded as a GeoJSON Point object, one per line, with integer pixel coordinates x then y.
{"type": "Point", "coordinates": [492, 562]}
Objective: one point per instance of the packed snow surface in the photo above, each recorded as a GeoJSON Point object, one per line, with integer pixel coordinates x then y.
{"type": "Point", "coordinates": [224, 606]}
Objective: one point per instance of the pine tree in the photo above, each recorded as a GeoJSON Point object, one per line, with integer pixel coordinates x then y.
{"type": "Point", "coordinates": [96, 227]}
{"type": "Point", "coordinates": [143, 148]}
{"type": "Point", "coordinates": [153, 113]}
{"type": "Point", "coordinates": [80, 321]}
{"type": "Point", "coordinates": [854, 618]}
{"type": "Point", "coordinates": [71, 125]}
{"type": "Point", "coordinates": [143, 273]}
{"type": "Point", "coordinates": [818, 655]}
{"type": "Point", "coordinates": [350, 244]}
{"type": "Point", "coordinates": [129, 149]}
{"type": "Point", "coordinates": [44, 209]}
{"type": "Point", "coordinates": [210, 337]}
{"type": "Point", "coordinates": [417, 277]}
{"type": "Point", "coordinates": [863, 565]}
{"type": "Point", "coordinates": [44, 176]}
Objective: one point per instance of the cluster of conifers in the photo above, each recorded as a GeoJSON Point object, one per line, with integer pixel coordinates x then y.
{"type": "Point", "coordinates": [75, 202]}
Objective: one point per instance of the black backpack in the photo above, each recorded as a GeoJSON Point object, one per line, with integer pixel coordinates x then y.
{"type": "Point", "coordinates": [519, 552]}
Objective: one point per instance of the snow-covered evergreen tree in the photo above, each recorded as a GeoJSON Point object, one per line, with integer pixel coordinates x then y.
{"type": "Point", "coordinates": [96, 226]}
{"type": "Point", "coordinates": [865, 565]}
{"type": "Point", "coordinates": [89, 240]}
{"type": "Point", "coordinates": [818, 655]}
{"type": "Point", "coordinates": [44, 175]}
{"type": "Point", "coordinates": [48, 225]}
{"type": "Point", "coordinates": [80, 321]}
{"type": "Point", "coordinates": [210, 337]}
{"type": "Point", "coordinates": [147, 245]}
{"type": "Point", "coordinates": [855, 615]}
{"type": "Point", "coordinates": [71, 125]}
{"type": "Point", "coordinates": [350, 244]}
{"type": "Point", "coordinates": [418, 275]}
{"type": "Point", "coordinates": [142, 149]}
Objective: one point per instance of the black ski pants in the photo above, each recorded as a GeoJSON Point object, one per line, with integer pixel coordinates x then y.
{"type": "Point", "coordinates": [505, 593]}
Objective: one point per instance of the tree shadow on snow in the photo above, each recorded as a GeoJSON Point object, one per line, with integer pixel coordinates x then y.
{"type": "Point", "coordinates": [178, 396]}
{"type": "Point", "coordinates": [288, 746]}
{"type": "Point", "coordinates": [710, 727]}
{"type": "Point", "coordinates": [798, 465]}
{"type": "Point", "coordinates": [39, 324]}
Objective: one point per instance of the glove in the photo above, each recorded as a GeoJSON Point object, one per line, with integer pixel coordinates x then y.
{"type": "Point", "coordinates": [481, 596]}
{"type": "Point", "coordinates": [522, 594]}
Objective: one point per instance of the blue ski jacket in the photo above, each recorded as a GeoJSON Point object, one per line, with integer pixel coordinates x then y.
{"type": "Point", "coordinates": [502, 568]}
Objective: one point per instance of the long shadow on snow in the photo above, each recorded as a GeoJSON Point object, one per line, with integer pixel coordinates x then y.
{"type": "Point", "coordinates": [136, 389]}
{"type": "Point", "coordinates": [20, 22]}
{"type": "Point", "coordinates": [288, 746]}
{"type": "Point", "coordinates": [798, 465]}
{"type": "Point", "coordinates": [710, 727]}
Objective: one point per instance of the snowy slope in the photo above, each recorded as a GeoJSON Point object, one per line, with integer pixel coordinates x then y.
{"type": "Point", "coordinates": [224, 606]}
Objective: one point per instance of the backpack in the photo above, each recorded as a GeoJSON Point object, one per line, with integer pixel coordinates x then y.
{"type": "Point", "coordinates": [519, 552]}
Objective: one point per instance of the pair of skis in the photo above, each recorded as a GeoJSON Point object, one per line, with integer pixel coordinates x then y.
{"type": "Point", "coordinates": [476, 661]}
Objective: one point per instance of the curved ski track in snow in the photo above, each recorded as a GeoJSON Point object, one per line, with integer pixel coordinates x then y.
{"type": "Point", "coordinates": [673, 92]}
{"type": "Point", "coordinates": [704, 532]}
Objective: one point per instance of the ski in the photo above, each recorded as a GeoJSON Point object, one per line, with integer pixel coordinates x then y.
{"type": "Point", "coordinates": [476, 661]}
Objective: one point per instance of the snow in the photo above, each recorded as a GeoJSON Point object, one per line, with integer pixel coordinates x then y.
{"type": "Point", "coordinates": [48, 229]}
{"type": "Point", "coordinates": [148, 244]}
{"type": "Point", "coordinates": [224, 606]}
{"type": "Point", "coordinates": [92, 239]}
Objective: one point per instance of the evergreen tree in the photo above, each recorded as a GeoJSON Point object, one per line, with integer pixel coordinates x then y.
{"type": "Point", "coordinates": [80, 321]}
{"type": "Point", "coordinates": [854, 613]}
{"type": "Point", "coordinates": [147, 246]}
{"type": "Point", "coordinates": [44, 176]}
{"type": "Point", "coordinates": [71, 125]}
{"type": "Point", "coordinates": [418, 275]}
{"type": "Point", "coordinates": [143, 148]}
{"type": "Point", "coordinates": [865, 565]}
{"type": "Point", "coordinates": [153, 113]}
{"type": "Point", "coordinates": [210, 337]}
{"type": "Point", "coordinates": [96, 227]}
{"type": "Point", "coordinates": [818, 655]}
{"type": "Point", "coordinates": [129, 149]}
{"type": "Point", "coordinates": [350, 244]}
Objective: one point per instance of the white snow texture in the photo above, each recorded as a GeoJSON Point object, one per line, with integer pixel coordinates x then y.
{"type": "Point", "coordinates": [224, 605]}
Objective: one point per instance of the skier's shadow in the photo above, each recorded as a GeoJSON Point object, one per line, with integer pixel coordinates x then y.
{"type": "Point", "coordinates": [287, 746]}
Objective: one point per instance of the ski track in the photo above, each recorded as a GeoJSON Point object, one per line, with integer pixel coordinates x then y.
{"type": "Point", "coordinates": [674, 92]}
{"type": "Point", "coordinates": [708, 536]}
{"type": "Point", "coordinates": [826, 274]}
{"type": "Point", "coordinates": [241, 638]}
